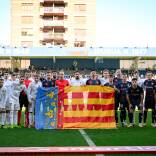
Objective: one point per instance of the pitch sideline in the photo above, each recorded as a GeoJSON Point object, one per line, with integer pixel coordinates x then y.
{"type": "Point", "coordinates": [88, 140]}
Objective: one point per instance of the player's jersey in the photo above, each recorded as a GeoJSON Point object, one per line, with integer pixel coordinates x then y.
{"type": "Point", "coordinates": [150, 87]}
{"type": "Point", "coordinates": [123, 87]}
{"type": "Point", "coordinates": [32, 90]}
{"type": "Point", "coordinates": [141, 82]}
{"type": "Point", "coordinates": [42, 79]}
{"type": "Point", "coordinates": [23, 90]}
{"type": "Point", "coordinates": [27, 82]}
{"type": "Point", "coordinates": [108, 84]}
{"type": "Point", "coordinates": [104, 81]}
{"type": "Point", "coordinates": [62, 84]}
{"type": "Point", "coordinates": [75, 82]}
{"type": "Point", "coordinates": [112, 85]}
{"type": "Point", "coordinates": [117, 81]}
{"type": "Point", "coordinates": [3, 97]}
{"type": "Point", "coordinates": [135, 94]}
{"type": "Point", "coordinates": [48, 83]}
{"type": "Point", "coordinates": [93, 82]}
{"type": "Point", "coordinates": [7, 84]}
{"type": "Point", "coordinates": [15, 91]}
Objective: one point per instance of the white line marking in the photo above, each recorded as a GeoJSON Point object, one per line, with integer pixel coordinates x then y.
{"type": "Point", "coordinates": [88, 140]}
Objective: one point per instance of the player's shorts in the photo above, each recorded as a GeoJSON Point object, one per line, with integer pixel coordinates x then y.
{"type": "Point", "coordinates": [124, 106]}
{"type": "Point", "coordinates": [31, 107]}
{"type": "Point", "coordinates": [8, 106]}
{"type": "Point", "coordinates": [124, 102]}
{"type": "Point", "coordinates": [135, 104]}
{"type": "Point", "coordinates": [23, 100]}
{"type": "Point", "coordinates": [2, 107]}
{"type": "Point", "coordinates": [149, 103]}
{"type": "Point", "coordinates": [15, 106]}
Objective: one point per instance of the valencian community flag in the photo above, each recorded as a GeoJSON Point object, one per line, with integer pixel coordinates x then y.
{"type": "Point", "coordinates": [46, 108]}
{"type": "Point", "coordinates": [88, 107]}
{"type": "Point", "coordinates": [75, 107]}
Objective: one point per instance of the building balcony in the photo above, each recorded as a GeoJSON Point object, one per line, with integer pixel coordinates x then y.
{"type": "Point", "coordinates": [53, 11]}
{"type": "Point", "coordinates": [60, 38]}
{"type": "Point", "coordinates": [53, 36]}
{"type": "Point", "coordinates": [53, 41]}
{"type": "Point", "coordinates": [55, 28]}
{"type": "Point", "coordinates": [48, 25]}
{"type": "Point", "coordinates": [79, 43]}
{"type": "Point", "coordinates": [53, 2]}
{"type": "Point", "coordinates": [53, 23]}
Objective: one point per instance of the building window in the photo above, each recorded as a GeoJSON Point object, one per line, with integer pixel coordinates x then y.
{"type": "Point", "coordinates": [80, 8]}
{"type": "Point", "coordinates": [79, 44]}
{"type": "Point", "coordinates": [80, 34]}
{"type": "Point", "coordinates": [27, 19]}
{"type": "Point", "coordinates": [27, 6]}
{"type": "Point", "coordinates": [26, 43]}
{"type": "Point", "coordinates": [80, 20]}
{"type": "Point", "coordinates": [27, 32]}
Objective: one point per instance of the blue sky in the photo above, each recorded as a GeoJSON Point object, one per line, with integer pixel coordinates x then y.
{"type": "Point", "coordinates": [119, 23]}
{"type": "Point", "coordinates": [5, 21]}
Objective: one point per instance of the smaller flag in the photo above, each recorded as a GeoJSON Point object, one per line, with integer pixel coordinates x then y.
{"type": "Point", "coordinates": [46, 108]}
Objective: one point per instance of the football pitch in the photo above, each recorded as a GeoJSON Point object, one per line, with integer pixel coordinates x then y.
{"type": "Point", "coordinates": [121, 136]}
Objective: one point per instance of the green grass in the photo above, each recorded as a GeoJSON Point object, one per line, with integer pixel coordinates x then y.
{"type": "Point", "coordinates": [124, 137]}
{"type": "Point", "coordinates": [32, 138]}
{"type": "Point", "coordinates": [102, 137]}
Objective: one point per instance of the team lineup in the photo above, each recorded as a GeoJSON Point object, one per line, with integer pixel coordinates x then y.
{"type": "Point", "coordinates": [20, 90]}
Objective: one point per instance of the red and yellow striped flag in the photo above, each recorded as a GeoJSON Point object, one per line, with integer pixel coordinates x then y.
{"type": "Point", "coordinates": [88, 107]}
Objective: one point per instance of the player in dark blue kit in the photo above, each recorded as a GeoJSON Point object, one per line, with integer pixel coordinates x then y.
{"type": "Point", "coordinates": [93, 79]}
{"type": "Point", "coordinates": [117, 81]}
{"type": "Point", "coordinates": [135, 97]}
{"type": "Point", "coordinates": [123, 87]}
{"type": "Point", "coordinates": [48, 82]}
{"type": "Point", "coordinates": [150, 98]}
{"type": "Point", "coordinates": [111, 84]}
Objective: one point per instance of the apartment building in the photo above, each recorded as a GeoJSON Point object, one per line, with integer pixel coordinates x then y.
{"type": "Point", "coordinates": [37, 23]}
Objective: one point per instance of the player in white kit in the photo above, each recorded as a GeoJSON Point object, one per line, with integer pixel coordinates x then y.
{"type": "Point", "coordinates": [3, 100]}
{"type": "Point", "coordinates": [15, 92]}
{"type": "Point", "coordinates": [7, 84]}
{"type": "Point", "coordinates": [77, 80]}
{"type": "Point", "coordinates": [32, 93]}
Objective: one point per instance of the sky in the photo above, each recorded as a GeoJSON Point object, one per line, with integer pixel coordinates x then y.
{"type": "Point", "coordinates": [119, 23]}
